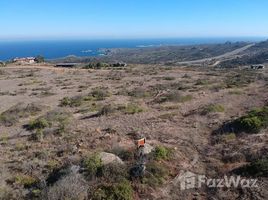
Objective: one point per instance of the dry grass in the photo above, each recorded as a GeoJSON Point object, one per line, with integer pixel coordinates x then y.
{"type": "Point", "coordinates": [101, 110]}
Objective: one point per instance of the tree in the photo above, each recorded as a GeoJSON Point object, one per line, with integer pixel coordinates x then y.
{"type": "Point", "coordinates": [39, 59]}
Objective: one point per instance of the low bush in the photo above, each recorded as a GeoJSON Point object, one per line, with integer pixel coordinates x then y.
{"type": "Point", "coordinates": [238, 80]}
{"type": "Point", "coordinates": [72, 101]}
{"type": "Point", "coordinates": [162, 153]}
{"type": "Point", "coordinates": [155, 175]}
{"type": "Point", "coordinates": [125, 155]}
{"type": "Point", "coordinates": [173, 97]}
{"type": "Point", "coordinates": [39, 59]}
{"type": "Point", "coordinates": [257, 168]}
{"type": "Point", "coordinates": [168, 78]}
{"type": "Point", "coordinates": [201, 82]}
{"type": "Point", "coordinates": [169, 86]}
{"type": "Point", "coordinates": [25, 180]}
{"type": "Point", "coordinates": [253, 122]}
{"type": "Point", "coordinates": [185, 98]}
{"type": "Point", "coordinates": [99, 94]}
{"type": "Point", "coordinates": [228, 137]}
{"type": "Point", "coordinates": [119, 191]}
{"type": "Point", "coordinates": [17, 112]}
{"type": "Point", "coordinates": [213, 108]}
{"type": "Point", "coordinates": [93, 165]}
{"type": "Point", "coordinates": [139, 93]}
{"type": "Point", "coordinates": [96, 65]}
{"type": "Point", "coordinates": [7, 193]}
{"type": "Point", "coordinates": [4, 138]}
{"type": "Point", "coordinates": [70, 187]}
{"type": "Point", "coordinates": [131, 109]}
{"type": "Point", "coordinates": [106, 110]}
{"type": "Point", "coordinates": [39, 123]}
{"type": "Point", "coordinates": [114, 172]}
{"type": "Point", "coordinates": [236, 92]}
{"type": "Point", "coordinates": [57, 119]}
{"type": "Point", "coordinates": [234, 158]}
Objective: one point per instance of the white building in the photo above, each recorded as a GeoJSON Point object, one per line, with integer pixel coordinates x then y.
{"type": "Point", "coordinates": [26, 60]}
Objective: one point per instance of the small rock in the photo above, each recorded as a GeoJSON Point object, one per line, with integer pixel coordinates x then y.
{"type": "Point", "coordinates": [148, 148]}
{"type": "Point", "coordinates": [108, 158]}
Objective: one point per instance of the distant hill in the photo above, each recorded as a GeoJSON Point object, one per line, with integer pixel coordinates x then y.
{"type": "Point", "coordinates": [159, 55]}
{"type": "Point", "coordinates": [257, 54]}
{"type": "Point", "coordinates": [171, 54]}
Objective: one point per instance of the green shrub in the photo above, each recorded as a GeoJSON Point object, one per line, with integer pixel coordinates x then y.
{"type": "Point", "coordinates": [162, 153]}
{"type": "Point", "coordinates": [168, 78]}
{"type": "Point", "coordinates": [236, 92]}
{"type": "Point", "coordinates": [238, 80]}
{"type": "Point", "coordinates": [253, 122]}
{"type": "Point", "coordinates": [250, 124]}
{"type": "Point", "coordinates": [155, 175]}
{"type": "Point", "coordinates": [213, 108]}
{"type": "Point", "coordinates": [98, 65]}
{"type": "Point", "coordinates": [93, 165]}
{"type": "Point", "coordinates": [39, 123]}
{"type": "Point", "coordinates": [12, 116]}
{"type": "Point", "coordinates": [8, 120]}
{"type": "Point", "coordinates": [132, 109]}
{"type": "Point", "coordinates": [66, 101]}
{"type": "Point", "coordinates": [25, 180]}
{"type": "Point", "coordinates": [201, 82]}
{"type": "Point", "coordinates": [57, 116]}
{"type": "Point", "coordinates": [118, 191]}
{"type": "Point", "coordinates": [39, 59]}
{"type": "Point", "coordinates": [57, 119]}
{"type": "Point", "coordinates": [72, 102]}
{"type": "Point", "coordinates": [4, 138]}
{"type": "Point", "coordinates": [114, 172]}
{"type": "Point", "coordinates": [100, 94]}
{"type": "Point", "coordinates": [186, 98]}
{"type": "Point", "coordinates": [169, 86]}
{"type": "Point", "coordinates": [228, 137]}
{"type": "Point", "coordinates": [125, 155]}
{"type": "Point", "coordinates": [139, 93]}
{"type": "Point", "coordinates": [106, 110]}
{"type": "Point", "coordinates": [258, 168]}
{"type": "Point", "coordinates": [174, 97]}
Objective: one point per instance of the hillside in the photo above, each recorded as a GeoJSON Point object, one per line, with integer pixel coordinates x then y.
{"type": "Point", "coordinates": [159, 55]}
{"type": "Point", "coordinates": [257, 54]}
{"type": "Point", "coordinates": [60, 127]}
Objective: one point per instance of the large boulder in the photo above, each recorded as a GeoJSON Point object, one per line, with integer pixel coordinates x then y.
{"type": "Point", "coordinates": [108, 158]}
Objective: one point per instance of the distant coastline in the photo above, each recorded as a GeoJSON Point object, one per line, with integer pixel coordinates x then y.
{"type": "Point", "coordinates": [52, 49]}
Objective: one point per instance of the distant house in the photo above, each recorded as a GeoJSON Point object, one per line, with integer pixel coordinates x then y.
{"type": "Point", "coordinates": [257, 66]}
{"type": "Point", "coordinates": [67, 65]}
{"type": "Point", "coordinates": [26, 60]}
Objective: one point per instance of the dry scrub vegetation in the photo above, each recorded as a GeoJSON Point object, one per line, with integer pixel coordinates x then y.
{"type": "Point", "coordinates": [54, 123]}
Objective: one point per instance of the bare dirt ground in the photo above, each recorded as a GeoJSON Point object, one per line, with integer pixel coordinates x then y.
{"type": "Point", "coordinates": [165, 105]}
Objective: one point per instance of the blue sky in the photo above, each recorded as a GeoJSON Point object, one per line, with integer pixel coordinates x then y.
{"type": "Point", "coordinates": [47, 19]}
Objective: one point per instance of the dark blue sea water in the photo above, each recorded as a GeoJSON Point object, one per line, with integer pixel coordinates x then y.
{"type": "Point", "coordinates": [56, 49]}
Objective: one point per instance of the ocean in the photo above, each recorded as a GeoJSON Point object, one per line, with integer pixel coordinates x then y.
{"type": "Point", "coordinates": [52, 49]}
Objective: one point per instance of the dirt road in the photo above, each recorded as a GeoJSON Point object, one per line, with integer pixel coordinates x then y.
{"type": "Point", "coordinates": [220, 57]}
